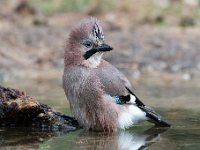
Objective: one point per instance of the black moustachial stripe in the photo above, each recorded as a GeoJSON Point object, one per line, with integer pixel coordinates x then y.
{"type": "Point", "coordinates": [150, 113]}
{"type": "Point", "coordinates": [102, 48]}
{"type": "Point", "coordinates": [89, 53]}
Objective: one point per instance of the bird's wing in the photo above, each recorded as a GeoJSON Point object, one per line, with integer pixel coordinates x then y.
{"type": "Point", "coordinates": [113, 80]}
{"type": "Point", "coordinates": [150, 113]}
{"type": "Point", "coordinates": [117, 86]}
{"type": "Point", "coordinates": [124, 80]}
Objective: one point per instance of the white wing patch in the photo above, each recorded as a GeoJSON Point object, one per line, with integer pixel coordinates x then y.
{"type": "Point", "coordinates": [132, 100]}
{"type": "Point", "coordinates": [130, 116]}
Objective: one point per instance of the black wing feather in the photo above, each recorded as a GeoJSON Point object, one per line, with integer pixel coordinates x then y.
{"type": "Point", "coordinates": [150, 113]}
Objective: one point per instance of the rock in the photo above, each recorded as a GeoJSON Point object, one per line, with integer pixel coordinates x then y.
{"type": "Point", "coordinates": [19, 109]}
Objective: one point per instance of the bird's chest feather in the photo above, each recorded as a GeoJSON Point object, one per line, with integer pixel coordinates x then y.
{"type": "Point", "coordinates": [73, 81]}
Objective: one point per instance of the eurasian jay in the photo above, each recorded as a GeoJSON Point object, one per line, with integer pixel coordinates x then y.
{"type": "Point", "coordinates": [99, 95]}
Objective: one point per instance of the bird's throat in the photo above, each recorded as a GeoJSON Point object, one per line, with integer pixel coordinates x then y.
{"type": "Point", "coordinates": [94, 60]}
{"type": "Point", "coordinates": [89, 53]}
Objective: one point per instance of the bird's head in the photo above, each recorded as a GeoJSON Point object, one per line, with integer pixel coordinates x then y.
{"type": "Point", "coordinates": [86, 44]}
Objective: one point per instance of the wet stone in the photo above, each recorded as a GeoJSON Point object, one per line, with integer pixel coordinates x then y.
{"type": "Point", "coordinates": [18, 109]}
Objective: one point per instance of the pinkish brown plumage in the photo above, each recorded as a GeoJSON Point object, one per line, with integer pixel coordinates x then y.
{"type": "Point", "coordinates": [99, 95]}
{"type": "Point", "coordinates": [73, 52]}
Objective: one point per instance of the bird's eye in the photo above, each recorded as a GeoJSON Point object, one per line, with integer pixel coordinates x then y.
{"type": "Point", "coordinates": [87, 44]}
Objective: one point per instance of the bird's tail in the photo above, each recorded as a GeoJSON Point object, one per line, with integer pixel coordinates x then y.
{"type": "Point", "coordinates": [150, 113]}
{"type": "Point", "coordinates": [154, 117]}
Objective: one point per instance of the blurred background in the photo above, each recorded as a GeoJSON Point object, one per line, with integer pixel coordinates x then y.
{"type": "Point", "coordinates": [156, 45]}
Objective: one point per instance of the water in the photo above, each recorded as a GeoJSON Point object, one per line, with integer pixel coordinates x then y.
{"type": "Point", "coordinates": [177, 103]}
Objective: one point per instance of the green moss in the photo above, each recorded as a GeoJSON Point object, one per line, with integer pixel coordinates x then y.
{"type": "Point", "coordinates": [142, 12]}
{"type": "Point", "coordinates": [54, 6]}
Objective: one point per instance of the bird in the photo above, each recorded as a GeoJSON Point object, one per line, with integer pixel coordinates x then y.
{"type": "Point", "coordinates": [99, 95]}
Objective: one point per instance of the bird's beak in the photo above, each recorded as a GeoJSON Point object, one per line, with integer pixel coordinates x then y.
{"type": "Point", "coordinates": [104, 48]}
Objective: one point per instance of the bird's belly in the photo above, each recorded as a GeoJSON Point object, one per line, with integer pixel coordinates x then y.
{"type": "Point", "coordinates": [129, 116]}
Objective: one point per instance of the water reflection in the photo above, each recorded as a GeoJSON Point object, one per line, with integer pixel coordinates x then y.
{"type": "Point", "coordinates": [183, 135]}
{"type": "Point", "coordinates": [123, 140]}
{"type": "Point", "coordinates": [171, 99]}
{"type": "Point", "coordinates": [24, 138]}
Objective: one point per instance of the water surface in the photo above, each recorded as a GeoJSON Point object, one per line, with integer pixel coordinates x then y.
{"type": "Point", "coordinates": [177, 103]}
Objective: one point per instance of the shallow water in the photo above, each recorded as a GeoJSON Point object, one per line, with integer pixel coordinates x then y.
{"type": "Point", "coordinates": [177, 103]}
{"type": "Point", "coordinates": [178, 137]}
